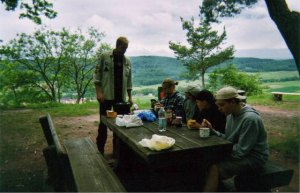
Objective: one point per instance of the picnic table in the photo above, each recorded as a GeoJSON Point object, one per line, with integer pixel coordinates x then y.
{"type": "Point", "coordinates": [180, 168]}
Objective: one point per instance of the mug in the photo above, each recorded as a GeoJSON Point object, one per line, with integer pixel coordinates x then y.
{"type": "Point", "coordinates": [178, 121]}
{"type": "Point", "coordinates": [204, 132]}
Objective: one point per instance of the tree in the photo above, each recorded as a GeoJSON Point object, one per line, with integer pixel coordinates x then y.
{"type": "Point", "coordinates": [41, 53]}
{"type": "Point", "coordinates": [16, 85]}
{"type": "Point", "coordinates": [205, 48]}
{"type": "Point", "coordinates": [34, 11]}
{"type": "Point", "coordinates": [82, 53]}
{"type": "Point", "coordinates": [57, 59]}
{"type": "Point", "coordinates": [230, 76]}
{"type": "Point", "coordinates": [287, 22]}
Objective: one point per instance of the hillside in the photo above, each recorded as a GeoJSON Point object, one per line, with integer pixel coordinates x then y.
{"type": "Point", "coordinates": [261, 65]}
{"type": "Point", "coordinates": [149, 70]}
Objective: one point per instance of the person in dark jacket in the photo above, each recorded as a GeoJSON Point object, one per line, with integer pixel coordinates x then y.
{"type": "Point", "coordinates": [189, 104]}
{"type": "Point", "coordinates": [208, 111]}
{"type": "Point", "coordinates": [173, 100]}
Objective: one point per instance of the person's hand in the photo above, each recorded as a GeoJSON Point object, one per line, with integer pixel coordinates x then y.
{"type": "Point", "coordinates": [157, 106]}
{"type": "Point", "coordinates": [196, 125]}
{"type": "Point", "coordinates": [100, 97]}
{"type": "Point", "coordinates": [130, 102]}
{"type": "Point", "coordinates": [206, 123]}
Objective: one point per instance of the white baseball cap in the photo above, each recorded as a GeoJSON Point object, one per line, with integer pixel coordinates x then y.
{"type": "Point", "coordinates": [192, 89]}
{"type": "Point", "coordinates": [228, 93]}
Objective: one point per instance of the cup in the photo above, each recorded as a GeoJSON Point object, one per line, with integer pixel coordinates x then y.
{"type": "Point", "coordinates": [190, 123]}
{"type": "Point", "coordinates": [204, 132]}
{"type": "Point", "coordinates": [111, 114]}
{"type": "Point", "coordinates": [178, 121]}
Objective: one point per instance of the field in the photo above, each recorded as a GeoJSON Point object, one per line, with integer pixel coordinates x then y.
{"type": "Point", "coordinates": [22, 166]}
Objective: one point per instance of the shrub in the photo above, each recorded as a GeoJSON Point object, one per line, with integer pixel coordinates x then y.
{"type": "Point", "coordinates": [230, 76]}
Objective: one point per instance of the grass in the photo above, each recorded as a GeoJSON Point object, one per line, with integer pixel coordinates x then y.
{"type": "Point", "coordinates": [289, 145]}
{"type": "Point", "coordinates": [277, 75]}
{"type": "Point", "coordinates": [18, 132]}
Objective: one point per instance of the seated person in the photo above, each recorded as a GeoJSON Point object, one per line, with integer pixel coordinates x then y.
{"type": "Point", "coordinates": [245, 129]}
{"type": "Point", "coordinates": [173, 100]}
{"type": "Point", "coordinates": [189, 103]}
{"type": "Point", "coordinates": [208, 111]}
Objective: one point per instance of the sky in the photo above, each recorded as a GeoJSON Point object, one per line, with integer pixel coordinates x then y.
{"type": "Point", "coordinates": [151, 24]}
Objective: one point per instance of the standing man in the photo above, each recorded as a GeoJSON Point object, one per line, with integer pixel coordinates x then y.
{"type": "Point", "coordinates": [113, 81]}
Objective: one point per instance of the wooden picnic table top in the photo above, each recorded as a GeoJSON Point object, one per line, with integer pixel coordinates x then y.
{"type": "Point", "coordinates": [187, 143]}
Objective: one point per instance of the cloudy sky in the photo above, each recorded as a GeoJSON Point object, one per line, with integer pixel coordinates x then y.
{"type": "Point", "coordinates": [150, 25]}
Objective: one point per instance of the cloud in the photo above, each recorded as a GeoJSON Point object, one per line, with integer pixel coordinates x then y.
{"type": "Point", "coordinates": [149, 25]}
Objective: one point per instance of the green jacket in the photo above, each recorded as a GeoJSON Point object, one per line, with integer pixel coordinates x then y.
{"type": "Point", "coordinates": [248, 135]}
{"type": "Point", "coordinates": [104, 75]}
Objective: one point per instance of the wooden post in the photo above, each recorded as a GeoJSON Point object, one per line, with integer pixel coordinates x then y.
{"type": "Point", "coordinates": [277, 97]}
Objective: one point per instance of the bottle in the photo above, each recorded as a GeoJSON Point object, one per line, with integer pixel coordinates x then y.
{"type": "Point", "coordinates": [162, 123]}
{"type": "Point", "coordinates": [169, 117]}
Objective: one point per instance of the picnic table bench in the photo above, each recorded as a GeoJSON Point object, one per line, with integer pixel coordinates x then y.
{"type": "Point", "coordinates": [277, 96]}
{"type": "Point", "coordinates": [78, 167]}
{"type": "Point", "coordinates": [271, 176]}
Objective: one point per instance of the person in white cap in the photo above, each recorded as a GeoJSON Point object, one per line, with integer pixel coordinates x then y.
{"type": "Point", "coordinates": [245, 129]}
{"type": "Point", "coordinates": [189, 104]}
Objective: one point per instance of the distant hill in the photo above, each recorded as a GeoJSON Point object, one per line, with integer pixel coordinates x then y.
{"type": "Point", "coordinates": [261, 65]}
{"type": "Point", "coordinates": [149, 70]}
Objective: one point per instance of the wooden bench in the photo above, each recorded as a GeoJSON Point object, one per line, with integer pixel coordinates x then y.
{"type": "Point", "coordinates": [54, 155]}
{"type": "Point", "coordinates": [272, 176]}
{"type": "Point", "coordinates": [277, 96]}
{"type": "Point", "coordinates": [79, 167]}
{"type": "Point", "coordinates": [90, 171]}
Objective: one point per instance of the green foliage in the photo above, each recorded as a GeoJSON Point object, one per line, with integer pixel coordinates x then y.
{"type": "Point", "coordinates": [34, 10]}
{"type": "Point", "coordinates": [230, 76]}
{"type": "Point", "coordinates": [50, 62]}
{"type": "Point", "coordinates": [212, 10]}
{"type": "Point", "coordinates": [205, 48]}
{"type": "Point", "coordinates": [149, 70]}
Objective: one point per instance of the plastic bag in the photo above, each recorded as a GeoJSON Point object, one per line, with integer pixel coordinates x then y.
{"type": "Point", "coordinates": [129, 121]}
{"type": "Point", "coordinates": [147, 116]}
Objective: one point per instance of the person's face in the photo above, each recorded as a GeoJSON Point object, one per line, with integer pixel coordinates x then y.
{"type": "Point", "coordinates": [201, 104]}
{"type": "Point", "coordinates": [225, 106]}
{"type": "Point", "coordinates": [168, 90]}
{"type": "Point", "coordinates": [189, 96]}
{"type": "Point", "coordinates": [121, 49]}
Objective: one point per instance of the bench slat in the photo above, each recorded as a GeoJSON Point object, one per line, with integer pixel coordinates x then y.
{"type": "Point", "coordinates": [50, 133]}
{"type": "Point", "coordinates": [90, 171]}
{"type": "Point", "coordinates": [287, 93]}
{"type": "Point", "coordinates": [272, 176]}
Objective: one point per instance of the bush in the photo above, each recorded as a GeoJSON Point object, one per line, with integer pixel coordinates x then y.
{"type": "Point", "coordinates": [230, 76]}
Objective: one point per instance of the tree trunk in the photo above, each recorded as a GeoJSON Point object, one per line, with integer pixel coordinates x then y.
{"type": "Point", "coordinates": [202, 78]}
{"type": "Point", "coordinates": [288, 23]}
